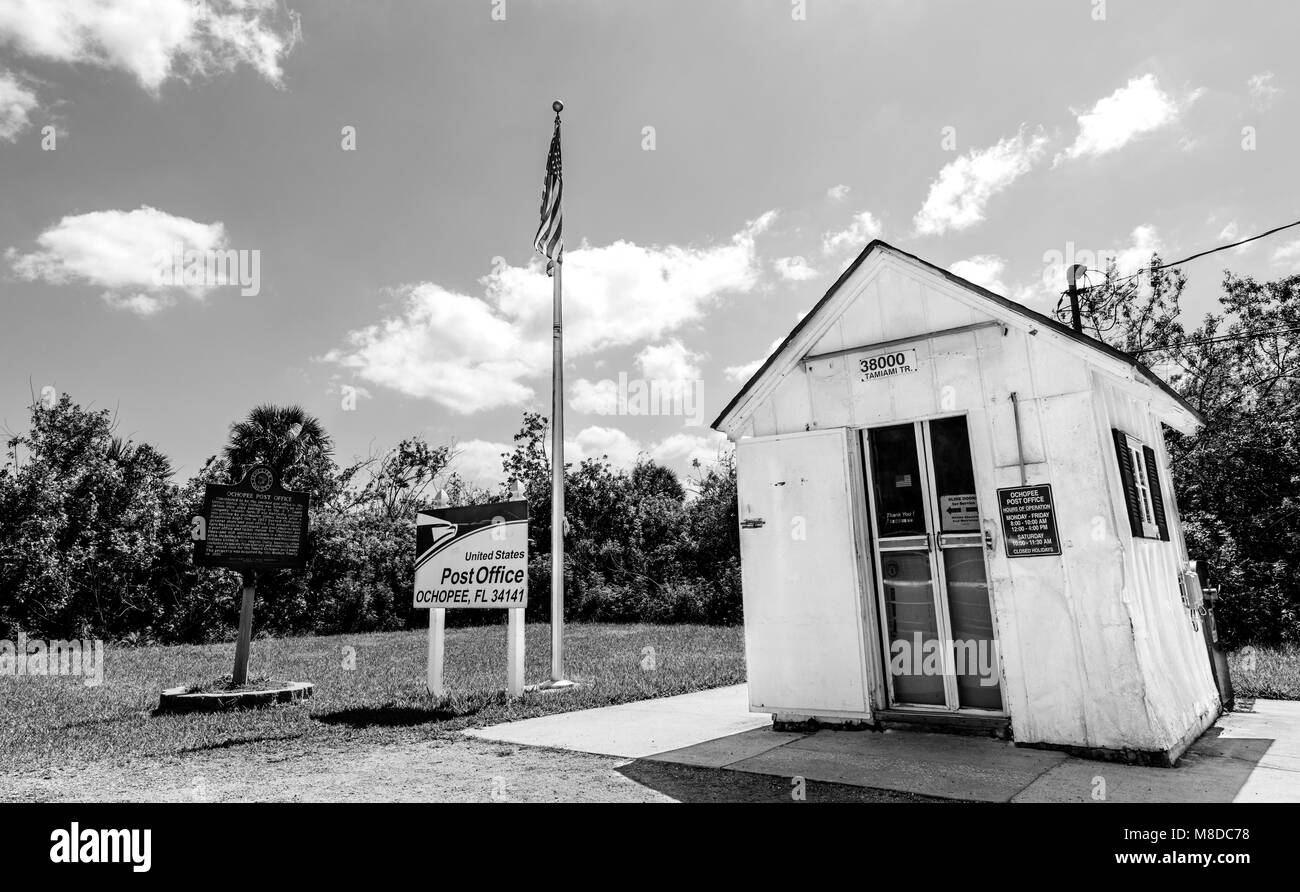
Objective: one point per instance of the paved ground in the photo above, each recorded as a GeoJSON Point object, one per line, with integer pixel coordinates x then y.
{"type": "Point", "coordinates": [1248, 756]}
{"type": "Point", "coordinates": [704, 747]}
{"type": "Point", "coordinates": [636, 730]}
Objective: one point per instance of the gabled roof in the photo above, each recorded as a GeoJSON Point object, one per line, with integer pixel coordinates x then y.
{"type": "Point", "coordinates": [1005, 303]}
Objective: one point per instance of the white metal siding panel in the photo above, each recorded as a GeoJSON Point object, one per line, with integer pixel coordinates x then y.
{"type": "Point", "coordinates": [829, 392]}
{"type": "Point", "coordinates": [943, 312]}
{"type": "Point", "coordinates": [859, 323]}
{"type": "Point", "coordinates": [1179, 689]}
{"type": "Point", "coordinates": [791, 404]}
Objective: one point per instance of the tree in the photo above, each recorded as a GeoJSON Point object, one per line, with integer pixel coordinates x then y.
{"type": "Point", "coordinates": [293, 443]}
{"type": "Point", "coordinates": [397, 483]}
{"type": "Point", "coordinates": [636, 548]}
{"type": "Point", "coordinates": [88, 525]}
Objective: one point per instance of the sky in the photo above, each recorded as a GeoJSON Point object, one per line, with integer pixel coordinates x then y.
{"type": "Point", "coordinates": [374, 169]}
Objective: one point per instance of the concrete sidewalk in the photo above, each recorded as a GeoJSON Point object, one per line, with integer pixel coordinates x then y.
{"type": "Point", "coordinates": [1249, 756]}
{"type": "Point", "coordinates": [640, 729]}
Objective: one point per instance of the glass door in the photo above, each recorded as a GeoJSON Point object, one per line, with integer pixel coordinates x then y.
{"type": "Point", "coordinates": [940, 645]}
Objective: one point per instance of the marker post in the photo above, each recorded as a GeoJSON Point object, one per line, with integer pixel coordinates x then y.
{"type": "Point", "coordinates": [242, 645]}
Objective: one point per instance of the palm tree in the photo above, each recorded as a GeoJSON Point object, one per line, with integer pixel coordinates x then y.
{"type": "Point", "coordinates": [293, 443]}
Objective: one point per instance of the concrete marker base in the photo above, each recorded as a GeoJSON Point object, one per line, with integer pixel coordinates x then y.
{"type": "Point", "coordinates": [177, 700]}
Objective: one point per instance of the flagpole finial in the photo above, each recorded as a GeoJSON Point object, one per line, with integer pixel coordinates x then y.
{"type": "Point", "coordinates": [558, 106]}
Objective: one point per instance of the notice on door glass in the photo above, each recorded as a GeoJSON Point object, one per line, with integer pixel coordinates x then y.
{"type": "Point", "coordinates": [900, 523]}
{"type": "Point", "coordinates": [1029, 520]}
{"type": "Point", "coordinates": [959, 513]}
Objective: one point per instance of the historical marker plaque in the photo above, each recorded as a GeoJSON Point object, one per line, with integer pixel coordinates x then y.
{"type": "Point", "coordinates": [253, 525]}
{"type": "Point", "coordinates": [1029, 520]}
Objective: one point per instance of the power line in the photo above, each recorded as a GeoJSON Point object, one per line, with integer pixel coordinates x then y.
{"type": "Point", "coordinates": [1215, 340]}
{"type": "Point", "coordinates": [1193, 256]}
{"type": "Point", "coordinates": [1226, 247]}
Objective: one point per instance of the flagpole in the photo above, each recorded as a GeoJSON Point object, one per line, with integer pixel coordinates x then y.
{"type": "Point", "coordinates": [557, 468]}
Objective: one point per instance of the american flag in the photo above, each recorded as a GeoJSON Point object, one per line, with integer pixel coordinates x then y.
{"type": "Point", "coordinates": [550, 235]}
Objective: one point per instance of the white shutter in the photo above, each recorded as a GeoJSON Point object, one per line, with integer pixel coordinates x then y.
{"type": "Point", "coordinates": [804, 628]}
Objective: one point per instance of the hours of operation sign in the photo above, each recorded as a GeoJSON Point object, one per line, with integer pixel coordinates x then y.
{"type": "Point", "coordinates": [1029, 520]}
{"type": "Point", "coordinates": [252, 525]}
{"type": "Point", "coordinates": [472, 556]}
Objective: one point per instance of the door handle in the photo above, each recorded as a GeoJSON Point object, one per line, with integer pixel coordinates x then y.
{"type": "Point", "coordinates": [916, 542]}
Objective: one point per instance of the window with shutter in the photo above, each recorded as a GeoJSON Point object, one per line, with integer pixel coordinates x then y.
{"type": "Point", "coordinates": [1128, 481]}
{"type": "Point", "coordinates": [1142, 498]}
{"type": "Point", "coordinates": [1157, 499]}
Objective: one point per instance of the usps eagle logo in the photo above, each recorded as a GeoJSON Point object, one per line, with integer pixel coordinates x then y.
{"type": "Point", "coordinates": [434, 533]}
{"type": "Point", "coordinates": [441, 530]}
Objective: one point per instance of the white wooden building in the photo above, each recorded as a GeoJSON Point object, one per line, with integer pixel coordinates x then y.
{"type": "Point", "coordinates": [958, 512]}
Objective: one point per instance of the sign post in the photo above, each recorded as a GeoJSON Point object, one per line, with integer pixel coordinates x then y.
{"type": "Point", "coordinates": [253, 525]}
{"type": "Point", "coordinates": [437, 642]}
{"type": "Point", "coordinates": [473, 556]}
{"type": "Point", "coordinates": [515, 651]}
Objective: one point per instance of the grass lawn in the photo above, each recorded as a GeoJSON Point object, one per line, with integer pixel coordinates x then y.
{"type": "Point", "coordinates": [59, 721]}
{"type": "Point", "coordinates": [1272, 673]}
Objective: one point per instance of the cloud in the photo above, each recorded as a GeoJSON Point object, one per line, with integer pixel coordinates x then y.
{"type": "Point", "coordinates": [122, 252]}
{"type": "Point", "coordinates": [837, 193]}
{"type": "Point", "coordinates": [676, 451]}
{"type": "Point", "coordinates": [794, 269]}
{"type": "Point", "coordinates": [1116, 120]}
{"type": "Point", "coordinates": [746, 371]}
{"type": "Point", "coordinates": [594, 397]}
{"type": "Point", "coordinates": [1145, 241]}
{"type": "Point", "coordinates": [863, 229]}
{"type": "Point", "coordinates": [17, 102]}
{"type": "Point", "coordinates": [609, 442]}
{"type": "Point", "coordinates": [1263, 89]}
{"type": "Point", "coordinates": [474, 353]}
{"type": "Point", "coordinates": [681, 449]}
{"type": "Point", "coordinates": [454, 349]}
{"type": "Point", "coordinates": [479, 461]}
{"type": "Point", "coordinates": [669, 362]}
{"type": "Point", "coordinates": [982, 269]}
{"type": "Point", "coordinates": [154, 40]}
{"type": "Point", "coordinates": [1232, 232]}
{"type": "Point", "coordinates": [1288, 255]}
{"type": "Point", "coordinates": [965, 185]}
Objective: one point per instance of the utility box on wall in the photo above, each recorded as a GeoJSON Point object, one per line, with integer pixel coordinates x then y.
{"type": "Point", "coordinates": [956, 510]}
